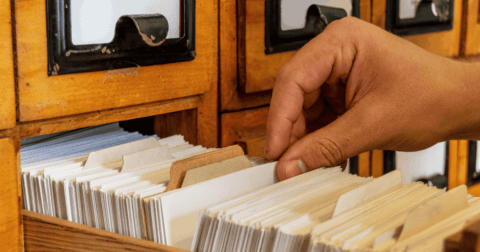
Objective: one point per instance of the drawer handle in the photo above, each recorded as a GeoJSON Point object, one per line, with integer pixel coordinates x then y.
{"type": "Point", "coordinates": [317, 18]}
{"type": "Point", "coordinates": [133, 31]}
{"type": "Point", "coordinates": [139, 40]}
{"type": "Point", "coordinates": [407, 17]}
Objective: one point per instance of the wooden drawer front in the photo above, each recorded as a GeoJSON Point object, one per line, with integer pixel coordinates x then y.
{"type": "Point", "coordinates": [472, 39]}
{"type": "Point", "coordinates": [246, 128]}
{"type": "Point", "coordinates": [258, 70]}
{"type": "Point", "coordinates": [247, 73]}
{"type": "Point", "coordinates": [42, 96]}
{"type": "Point", "coordinates": [7, 85]}
{"type": "Point", "coordinates": [446, 43]}
{"type": "Point", "coordinates": [10, 215]}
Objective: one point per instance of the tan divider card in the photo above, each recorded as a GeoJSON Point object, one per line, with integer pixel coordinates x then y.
{"type": "Point", "coordinates": [215, 170]}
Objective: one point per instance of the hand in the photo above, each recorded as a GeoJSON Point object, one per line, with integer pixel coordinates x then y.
{"type": "Point", "coordinates": [355, 88]}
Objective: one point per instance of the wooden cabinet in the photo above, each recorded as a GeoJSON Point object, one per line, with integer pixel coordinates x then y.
{"type": "Point", "coordinates": [42, 96]}
{"type": "Point", "coordinates": [11, 229]}
{"type": "Point", "coordinates": [7, 84]}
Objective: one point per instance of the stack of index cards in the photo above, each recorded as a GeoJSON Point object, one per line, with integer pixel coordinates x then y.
{"type": "Point", "coordinates": [329, 210]}
{"type": "Point", "coordinates": [99, 176]}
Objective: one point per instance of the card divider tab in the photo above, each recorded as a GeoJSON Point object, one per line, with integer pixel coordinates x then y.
{"type": "Point", "coordinates": [116, 153]}
{"type": "Point", "coordinates": [369, 191]}
{"type": "Point", "coordinates": [180, 168]}
{"type": "Point", "coordinates": [434, 211]}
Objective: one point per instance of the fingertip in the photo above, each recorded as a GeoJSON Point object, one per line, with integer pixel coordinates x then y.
{"type": "Point", "coordinates": [288, 169]}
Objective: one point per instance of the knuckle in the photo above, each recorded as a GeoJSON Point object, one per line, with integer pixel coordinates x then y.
{"type": "Point", "coordinates": [325, 152]}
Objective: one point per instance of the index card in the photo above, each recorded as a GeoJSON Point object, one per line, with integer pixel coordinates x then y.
{"type": "Point", "coordinates": [434, 211]}
{"type": "Point", "coordinates": [146, 158]}
{"type": "Point", "coordinates": [115, 154]}
{"type": "Point", "coordinates": [362, 194]}
{"type": "Point", "coordinates": [181, 208]}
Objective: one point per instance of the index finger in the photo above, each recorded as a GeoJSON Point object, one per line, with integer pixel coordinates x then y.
{"type": "Point", "coordinates": [306, 71]}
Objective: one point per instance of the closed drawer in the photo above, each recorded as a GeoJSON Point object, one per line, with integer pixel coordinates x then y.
{"type": "Point", "coordinates": [441, 37]}
{"type": "Point", "coordinates": [247, 80]}
{"type": "Point", "coordinates": [7, 86]}
{"type": "Point", "coordinates": [246, 128]}
{"type": "Point", "coordinates": [10, 215]}
{"type": "Point", "coordinates": [43, 94]}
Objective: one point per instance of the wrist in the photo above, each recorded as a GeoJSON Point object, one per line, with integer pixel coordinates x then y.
{"type": "Point", "coordinates": [465, 101]}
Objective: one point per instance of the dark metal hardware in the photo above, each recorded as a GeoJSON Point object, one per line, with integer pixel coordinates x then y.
{"type": "Point", "coordinates": [430, 16]}
{"type": "Point", "coordinates": [473, 177]}
{"type": "Point", "coordinates": [439, 181]}
{"type": "Point", "coordinates": [389, 161]}
{"type": "Point", "coordinates": [140, 40]}
{"type": "Point", "coordinates": [353, 164]}
{"type": "Point", "coordinates": [317, 18]}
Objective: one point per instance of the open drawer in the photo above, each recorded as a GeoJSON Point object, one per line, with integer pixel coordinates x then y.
{"type": "Point", "coordinates": [46, 233]}
{"type": "Point", "coordinates": [152, 57]}
{"type": "Point", "coordinates": [251, 51]}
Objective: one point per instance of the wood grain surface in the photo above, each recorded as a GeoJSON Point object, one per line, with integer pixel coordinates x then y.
{"type": "Point", "coordinates": [364, 164]}
{"type": "Point", "coordinates": [41, 127]}
{"type": "Point", "coordinates": [231, 98]}
{"type": "Point", "coordinates": [45, 233]}
{"type": "Point", "coordinates": [7, 83]}
{"type": "Point", "coordinates": [452, 164]}
{"type": "Point", "coordinates": [257, 70]}
{"type": "Point", "coordinates": [242, 125]}
{"type": "Point", "coordinates": [42, 96]}
{"type": "Point", "coordinates": [254, 145]}
{"type": "Point", "coordinates": [182, 122]}
{"type": "Point", "coordinates": [377, 163]}
{"type": "Point", "coordinates": [472, 27]}
{"type": "Point", "coordinates": [10, 200]}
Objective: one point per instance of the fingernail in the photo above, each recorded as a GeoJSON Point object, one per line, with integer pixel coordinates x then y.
{"type": "Point", "coordinates": [295, 169]}
{"type": "Point", "coordinates": [302, 166]}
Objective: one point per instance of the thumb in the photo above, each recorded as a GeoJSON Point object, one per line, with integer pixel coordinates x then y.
{"type": "Point", "coordinates": [347, 136]}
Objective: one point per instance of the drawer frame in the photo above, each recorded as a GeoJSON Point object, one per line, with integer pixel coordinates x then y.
{"type": "Point", "coordinates": [7, 82]}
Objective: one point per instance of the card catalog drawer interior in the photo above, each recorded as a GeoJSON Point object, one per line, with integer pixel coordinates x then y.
{"type": "Point", "coordinates": [7, 88]}
{"type": "Point", "coordinates": [139, 52]}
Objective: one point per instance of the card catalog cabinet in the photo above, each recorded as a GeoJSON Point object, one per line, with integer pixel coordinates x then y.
{"type": "Point", "coordinates": [7, 86]}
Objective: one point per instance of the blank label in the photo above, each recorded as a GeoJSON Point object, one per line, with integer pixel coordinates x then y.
{"type": "Point", "coordinates": [93, 21]}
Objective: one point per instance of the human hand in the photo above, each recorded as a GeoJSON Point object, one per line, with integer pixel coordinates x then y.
{"type": "Point", "coordinates": [355, 88]}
